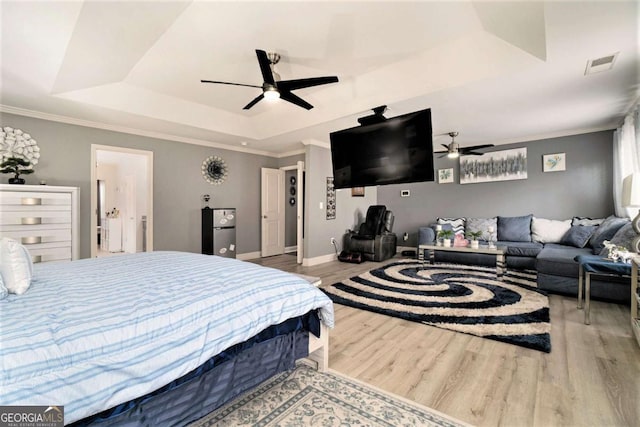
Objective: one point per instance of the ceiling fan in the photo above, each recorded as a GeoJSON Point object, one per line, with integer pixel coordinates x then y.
{"type": "Point", "coordinates": [273, 87]}
{"type": "Point", "coordinates": [454, 150]}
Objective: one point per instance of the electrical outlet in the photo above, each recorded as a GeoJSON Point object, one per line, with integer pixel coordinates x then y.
{"type": "Point", "coordinates": [333, 240]}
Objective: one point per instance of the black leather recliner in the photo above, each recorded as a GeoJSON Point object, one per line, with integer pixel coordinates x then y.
{"type": "Point", "coordinates": [374, 238]}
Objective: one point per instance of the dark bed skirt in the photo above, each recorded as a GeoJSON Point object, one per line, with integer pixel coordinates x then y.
{"type": "Point", "coordinates": [216, 382]}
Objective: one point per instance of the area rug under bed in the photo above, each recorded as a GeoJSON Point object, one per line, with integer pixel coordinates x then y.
{"type": "Point", "coordinates": [461, 298]}
{"type": "Point", "coordinates": [306, 397]}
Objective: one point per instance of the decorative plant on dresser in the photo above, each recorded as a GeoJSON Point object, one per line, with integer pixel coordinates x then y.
{"type": "Point", "coordinates": [17, 167]}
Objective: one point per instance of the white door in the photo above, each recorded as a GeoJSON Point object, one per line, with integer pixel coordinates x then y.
{"type": "Point", "coordinates": [272, 209]}
{"type": "Point", "coordinates": [129, 224]}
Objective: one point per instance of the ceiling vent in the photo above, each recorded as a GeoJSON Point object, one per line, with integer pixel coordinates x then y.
{"type": "Point", "coordinates": [600, 64]}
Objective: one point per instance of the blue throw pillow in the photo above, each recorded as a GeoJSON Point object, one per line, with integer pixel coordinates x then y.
{"type": "Point", "coordinates": [606, 231]}
{"type": "Point", "coordinates": [514, 228]}
{"type": "Point", "coordinates": [578, 235]}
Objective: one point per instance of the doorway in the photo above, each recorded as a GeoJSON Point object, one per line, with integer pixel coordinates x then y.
{"type": "Point", "coordinates": [121, 200]}
{"type": "Point", "coordinates": [282, 195]}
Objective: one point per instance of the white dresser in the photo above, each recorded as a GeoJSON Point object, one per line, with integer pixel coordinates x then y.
{"type": "Point", "coordinates": [43, 218]}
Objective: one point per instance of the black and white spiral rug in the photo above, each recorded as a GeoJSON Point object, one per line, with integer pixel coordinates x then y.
{"type": "Point", "coordinates": [461, 298]}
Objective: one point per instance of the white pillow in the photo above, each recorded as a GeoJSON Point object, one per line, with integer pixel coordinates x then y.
{"type": "Point", "coordinates": [16, 266]}
{"type": "Point", "coordinates": [3, 291]}
{"type": "Point", "coordinates": [548, 230]}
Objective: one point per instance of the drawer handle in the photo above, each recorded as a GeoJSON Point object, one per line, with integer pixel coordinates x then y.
{"type": "Point", "coordinates": [31, 201]}
{"type": "Point", "coordinates": [36, 259]}
{"type": "Point", "coordinates": [31, 240]}
{"type": "Point", "coordinates": [31, 221]}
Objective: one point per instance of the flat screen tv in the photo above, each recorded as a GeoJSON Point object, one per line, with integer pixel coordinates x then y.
{"type": "Point", "coordinates": [394, 151]}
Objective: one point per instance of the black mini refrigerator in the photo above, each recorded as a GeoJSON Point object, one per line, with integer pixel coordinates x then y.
{"type": "Point", "coordinates": [219, 232]}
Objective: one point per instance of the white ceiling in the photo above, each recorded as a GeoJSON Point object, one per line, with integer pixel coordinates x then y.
{"type": "Point", "coordinates": [495, 72]}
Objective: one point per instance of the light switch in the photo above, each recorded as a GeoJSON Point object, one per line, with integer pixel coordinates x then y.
{"type": "Point", "coordinates": [321, 205]}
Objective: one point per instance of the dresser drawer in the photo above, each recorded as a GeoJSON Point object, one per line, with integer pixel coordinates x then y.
{"type": "Point", "coordinates": [50, 254]}
{"type": "Point", "coordinates": [25, 217]}
{"type": "Point", "coordinates": [34, 198]}
{"type": "Point", "coordinates": [30, 235]}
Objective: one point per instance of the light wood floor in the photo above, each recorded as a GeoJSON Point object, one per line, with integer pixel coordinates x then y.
{"type": "Point", "coordinates": [590, 378]}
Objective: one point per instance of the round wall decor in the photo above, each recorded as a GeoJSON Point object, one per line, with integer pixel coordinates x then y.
{"type": "Point", "coordinates": [292, 180]}
{"type": "Point", "coordinates": [215, 170]}
{"type": "Point", "coordinates": [16, 143]}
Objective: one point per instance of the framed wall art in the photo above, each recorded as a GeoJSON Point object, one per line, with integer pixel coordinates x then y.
{"type": "Point", "coordinates": [357, 192]}
{"type": "Point", "coordinates": [331, 199]}
{"type": "Point", "coordinates": [554, 162]}
{"type": "Point", "coordinates": [445, 176]}
{"type": "Point", "coordinates": [502, 165]}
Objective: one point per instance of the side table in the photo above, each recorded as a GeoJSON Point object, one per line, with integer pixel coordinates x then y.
{"type": "Point", "coordinates": [594, 264]}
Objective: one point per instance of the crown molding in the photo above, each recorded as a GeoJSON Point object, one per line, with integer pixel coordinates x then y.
{"type": "Point", "coordinates": [316, 142]}
{"type": "Point", "coordinates": [552, 135]}
{"type": "Point", "coordinates": [123, 129]}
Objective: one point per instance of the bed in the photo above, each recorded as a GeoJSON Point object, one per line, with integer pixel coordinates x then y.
{"type": "Point", "coordinates": [100, 336]}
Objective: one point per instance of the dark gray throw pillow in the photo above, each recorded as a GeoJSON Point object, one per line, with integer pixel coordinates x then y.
{"type": "Point", "coordinates": [578, 235]}
{"type": "Point", "coordinates": [514, 228]}
{"type": "Point", "coordinates": [606, 231]}
{"type": "Point", "coordinates": [623, 237]}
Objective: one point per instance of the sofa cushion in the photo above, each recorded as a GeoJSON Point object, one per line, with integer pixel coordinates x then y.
{"type": "Point", "coordinates": [623, 237]}
{"type": "Point", "coordinates": [578, 235]}
{"type": "Point", "coordinates": [514, 228]}
{"type": "Point", "coordinates": [606, 231]}
{"type": "Point", "coordinates": [548, 230]}
{"type": "Point", "coordinates": [556, 259]}
{"type": "Point", "coordinates": [583, 220]}
{"type": "Point", "coordinates": [483, 225]}
{"type": "Point", "coordinates": [457, 224]}
{"type": "Point", "coordinates": [526, 249]}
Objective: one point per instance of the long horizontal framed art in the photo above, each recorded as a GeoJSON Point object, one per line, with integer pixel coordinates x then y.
{"type": "Point", "coordinates": [502, 165]}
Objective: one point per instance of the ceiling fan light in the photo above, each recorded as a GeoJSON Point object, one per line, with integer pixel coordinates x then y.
{"type": "Point", "coordinates": [453, 155]}
{"type": "Point", "coordinates": [271, 94]}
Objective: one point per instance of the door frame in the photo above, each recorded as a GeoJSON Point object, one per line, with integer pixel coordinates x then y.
{"type": "Point", "coordinates": [299, 167]}
{"type": "Point", "coordinates": [94, 195]}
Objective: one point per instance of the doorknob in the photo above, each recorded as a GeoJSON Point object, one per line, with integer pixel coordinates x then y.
{"type": "Point", "coordinates": [264, 216]}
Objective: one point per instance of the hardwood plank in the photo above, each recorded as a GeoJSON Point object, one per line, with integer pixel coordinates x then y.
{"type": "Point", "coordinates": [591, 377]}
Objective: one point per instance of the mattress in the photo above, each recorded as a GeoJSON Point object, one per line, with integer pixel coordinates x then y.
{"type": "Point", "coordinates": [94, 333]}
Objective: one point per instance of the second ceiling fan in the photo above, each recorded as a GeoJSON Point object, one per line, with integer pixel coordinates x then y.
{"type": "Point", "coordinates": [273, 88]}
{"type": "Point", "coordinates": [454, 150]}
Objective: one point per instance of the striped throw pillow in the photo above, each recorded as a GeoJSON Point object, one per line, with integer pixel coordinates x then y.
{"type": "Point", "coordinates": [457, 224]}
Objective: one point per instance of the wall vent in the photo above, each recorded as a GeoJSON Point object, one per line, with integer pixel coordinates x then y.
{"type": "Point", "coordinates": [600, 64]}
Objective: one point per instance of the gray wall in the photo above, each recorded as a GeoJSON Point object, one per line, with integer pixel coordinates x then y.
{"type": "Point", "coordinates": [178, 183]}
{"type": "Point", "coordinates": [584, 189]}
{"type": "Point", "coordinates": [350, 211]}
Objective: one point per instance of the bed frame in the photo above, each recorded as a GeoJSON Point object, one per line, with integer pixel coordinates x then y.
{"type": "Point", "coordinates": [319, 348]}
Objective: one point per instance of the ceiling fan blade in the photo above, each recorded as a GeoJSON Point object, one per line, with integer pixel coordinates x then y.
{"type": "Point", "coordinates": [445, 146]}
{"type": "Point", "coordinates": [302, 83]}
{"type": "Point", "coordinates": [265, 66]}
{"type": "Point", "coordinates": [471, 153]}
{"type": "Point", "coordinates": [294, 99]}
{"type": "Point", "coordinates": [477, 147]}
{"type": "Point", "coordinates": [229, 83]}
{"type": "Point", "coordinates": [254, 102]}
{"type": "Point", "coordinates": [444, 155]}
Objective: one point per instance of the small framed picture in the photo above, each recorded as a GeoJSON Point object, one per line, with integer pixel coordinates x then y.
{"type": "Point", "coordinates": [554, 162]}
{"type": "Point", "coordinates": [445, 176]}
{"type": "Point", "coordinates": [357, 192]}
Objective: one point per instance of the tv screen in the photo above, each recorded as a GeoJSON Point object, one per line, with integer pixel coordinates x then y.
{"type": "Point", "coordinates": [397, 150]}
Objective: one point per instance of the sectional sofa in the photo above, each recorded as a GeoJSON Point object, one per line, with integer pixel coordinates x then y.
{"type": "Point", "coordinates": [548, 246]}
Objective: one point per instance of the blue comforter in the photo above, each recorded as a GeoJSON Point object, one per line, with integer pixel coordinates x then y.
{"type": "Point", "coordinates": [94, 333]}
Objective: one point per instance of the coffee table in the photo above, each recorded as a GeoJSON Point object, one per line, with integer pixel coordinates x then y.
{"type": "Point", "coordinates": [498, 251]}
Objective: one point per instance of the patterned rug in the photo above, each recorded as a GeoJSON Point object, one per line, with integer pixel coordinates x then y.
{"type": "Point", "coordinates": [306, 397]}
{"type": "Point", "coordinates": [461, 298]}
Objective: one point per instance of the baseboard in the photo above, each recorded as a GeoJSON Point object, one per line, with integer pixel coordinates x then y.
{"type": "Point", "coordinates": [289, 249]}
{"type": "Point", "coordinates": [399, 249]}
{"type": "Point", "coordinates": [309, 262]}
{"type": "Point", "coordinates": [248, 255]}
